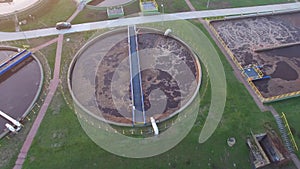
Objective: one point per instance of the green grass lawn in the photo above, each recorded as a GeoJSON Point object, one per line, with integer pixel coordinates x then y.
{"type": "Point", "coordinates": [291, 108]}
{"type": "Point", "coordinates": [50, 52]}
{"type": "Point", "coordinates": [10, 145]}
{"type": "Point", "coordinates": [46, 14]}
{"type": "Point", "coordinates": [93, 15]}
{"type": "Point", "coordinates": [171, 6]}
{"type": "Point", "coordinates": [90, 15]}
{"type": "Point", "coordinates": [7, 26]}
{"type": "Point", "coordinates": [132, 9]}
{"type": "Point", "coordinates": [61, 143]}
{"type": "Point", "coordinates": [219, 4]}
{"type": "Point", "coordinates": [53, 12]}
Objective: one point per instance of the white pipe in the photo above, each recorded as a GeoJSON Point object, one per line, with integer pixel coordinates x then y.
{"type": "Point", "coordinates": [10, 128]}
{"type": "Point", "coordinates": [154, 126]}
{"type": "Point", "coordinates": [167, 32]}
{"type": "Point", "coordinates": [15, 122]}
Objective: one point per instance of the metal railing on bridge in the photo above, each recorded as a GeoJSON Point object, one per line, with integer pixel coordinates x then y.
{"type": "Point", "coordinates": [138, 112]}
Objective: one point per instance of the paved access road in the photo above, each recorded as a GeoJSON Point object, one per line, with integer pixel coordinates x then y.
{"type": "Point", "coordinates": [5, 36]}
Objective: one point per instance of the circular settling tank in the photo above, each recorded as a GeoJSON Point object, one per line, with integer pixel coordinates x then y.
{"type": "Point", "coordinates": [99, 76]}
{"type": "Point", "coordinates": [19, 87]}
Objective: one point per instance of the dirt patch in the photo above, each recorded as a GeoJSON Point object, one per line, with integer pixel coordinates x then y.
{"type": "Point", "coordinates": [261, 85]}
{"type": "Point", "coordinates": [295, 21]}
{"type": "Point", "coordinates": [291, 52]}
{"type": "Point", "coordinates": [161, 64]}
{"type": "Point", "coordinates": [100, 75]}
{"type": "Point", "coordinates": [285, 71]}
{"type": "Point", "coordinates": [244, 36]}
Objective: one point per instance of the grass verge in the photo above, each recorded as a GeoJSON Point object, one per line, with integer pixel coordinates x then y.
{"type": "Point", "coordinates": [61, 143]}
{"type": "Point", "coordinates": [47, 16]}
{"type": "Point", "coordinates": [291, 108]}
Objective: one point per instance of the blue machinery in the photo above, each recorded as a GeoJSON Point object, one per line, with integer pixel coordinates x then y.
{"type": "Point", "coordinates": [138, 112]}
{"type": "Point", "coordinates": [253, 72]}
{"type": "Point", "coordinates": [13, 60]}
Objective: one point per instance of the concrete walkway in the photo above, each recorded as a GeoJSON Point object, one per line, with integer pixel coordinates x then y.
{"type": "Point", "coordinates": [44, 45]}
{"type": "Point", "coordinates": [52, 89]}
{"type": "Point", "coordinates": [79, 8]}
{"type": "Point", "coordinates": [8, 36]}
{"type": "Point", "coordinates": [295, 159]}
{"type": "Point", "coordinates": [190, 5]}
